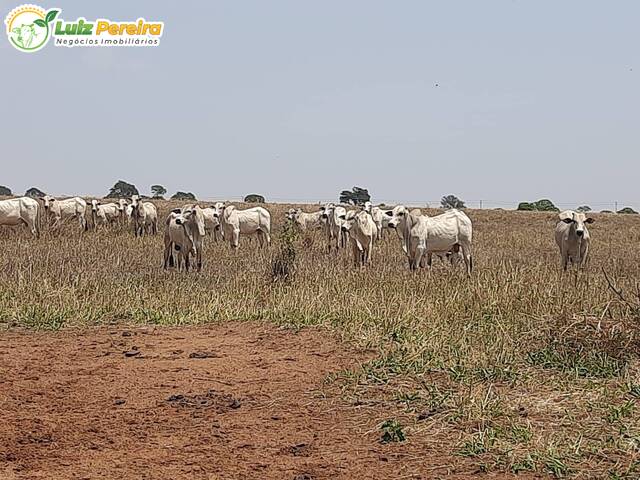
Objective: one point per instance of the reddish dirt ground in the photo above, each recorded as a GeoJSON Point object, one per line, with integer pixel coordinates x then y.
{"type": "Point", "coordinates": [238, 401]}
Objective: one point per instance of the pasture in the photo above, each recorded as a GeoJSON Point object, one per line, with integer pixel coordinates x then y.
{"type": "Point", "coordinates": [518, 369]}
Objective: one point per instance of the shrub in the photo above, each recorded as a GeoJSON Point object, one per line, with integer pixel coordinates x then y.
{"type": "Point", "coordinates": [34, 192]}
{"type": "Point", "coordinates": [6, 191]}
{"type": "Point", "coordinates": [254, 198]}
{"type": "Point", "coordinates": [183, 196]}
{"type": "Point", "coordinates": [122, 189]}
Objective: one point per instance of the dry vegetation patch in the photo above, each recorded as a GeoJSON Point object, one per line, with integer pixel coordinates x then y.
{"type": "Point", "coordinates": [521, 367]}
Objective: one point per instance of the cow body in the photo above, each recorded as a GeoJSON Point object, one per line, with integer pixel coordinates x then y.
{"type": "Point", "coordinates": [443, 234]}
{"type": "Point", "coordinates": [362, 231]}
{"type": "Point", "coordinates": [144, 217]}
{"type": "Point", "coordinates": [105, 214]}
{"type": "Point", "coordinates": [303, 220]}
{"type": "Point", "coordinates": [378, 216]}
{"type": "Point", "coordinates": [572, 238]}
{"type": "Point", "coordinates": [20, 211]}
{"type": "Point", "coordinates": [62, 210]}
{"type": "Point", "coordinates": [252, 221]}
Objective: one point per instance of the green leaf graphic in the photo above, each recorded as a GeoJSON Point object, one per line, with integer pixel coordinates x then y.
{"type": "Point", "coordinates": [51, 14]}
{"type": "Point", "coordinates": [39, 22]}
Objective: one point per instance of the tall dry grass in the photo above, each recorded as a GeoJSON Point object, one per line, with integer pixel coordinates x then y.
{"type": "Point", "coordinates": [518, 327]}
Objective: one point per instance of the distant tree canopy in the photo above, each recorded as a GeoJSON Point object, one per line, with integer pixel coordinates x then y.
{"type": "Point", "coordinates": [628, 210]}
{"type": "Point", "coordinates": [606, 211]}
{"type": "Point", "coordinates": [254, 198]}
{"type": "Point", "coordinates": [544, 205]}
{"type": "Point", "coordinates": [357, 196]}
{"type": "Point", "coordinates": [34, 193]}
{"type": "Point", "coordinates": [183, 196]}
{"type": "Point", "coordinates": [6, 191]}
{"type": "Point", "coordinates": [158, 191]}
{"type": "Point", "coordinates": [122, 189]}
{"type": "Point", "coordinates": [451, 201]}
{"type": "Point", "coordinates": [583, 208]}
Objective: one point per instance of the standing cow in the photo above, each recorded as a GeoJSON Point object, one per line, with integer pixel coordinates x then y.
{"type": "Point", "coordinates": [252, 221]}
{"type": "Point", "coordinates": [334, 215]}
{"type": "Point", "coordinates": [362, 232]}
{"type": "Point", "coordinates": [185, 234]}
{"type": "Point", "coordinates": [572, 237]}
{"type": "Point", "coordinates": [104, 214]}
{"type": "Point", "coordinates": [20, 211]}
{"type": "Point", "coordinates": [62, 210]}
{"type": "Point", "coordinates": [144, 217]}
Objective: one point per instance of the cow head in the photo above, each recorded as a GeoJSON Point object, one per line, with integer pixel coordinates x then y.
{"type": "Point", "coordinates": [94, 205]}
{"type": "Point", "coordinates": [218, 209]}
{"type": "Point", "coordinates": [347, 220]}
{"type": "Point", "coordinates": [367, 207]}
{"type": "Point", "coordinates": [48, 201]}
{"type": "Point", "coordinates": [577, 219]}
{"type": "Point", "coordinates": [327, 210]}
{"type": "Point", "coordinates": [122, 205]}
{"type": "Point", "coordinates": [397, 215]}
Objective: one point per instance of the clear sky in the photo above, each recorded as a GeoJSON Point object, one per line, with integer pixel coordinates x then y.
{"type": "Point", "coordinates": [296, 100]}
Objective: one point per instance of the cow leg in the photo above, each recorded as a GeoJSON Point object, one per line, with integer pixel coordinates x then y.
{"type": "Point", "coordinates": [468, 260]}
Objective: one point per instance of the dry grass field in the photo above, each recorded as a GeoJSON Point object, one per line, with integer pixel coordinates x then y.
{"type": "Point", "coordinates": [519, 369]}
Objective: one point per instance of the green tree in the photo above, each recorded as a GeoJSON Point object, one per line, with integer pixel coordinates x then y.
{"type": "Point", "coordinates": [451, 201]}
{"type": "Point", "coordinates": [583, 208]}
{"type": "Point", "coordinates": [158, 191]}
{"type": "Point", "coordinates": [628, 210]}
{"type": "Point", "coordinates": [122, 189]}
{"type": "Point", "coordinates": [357, 196]}
{"type": "Point", "coordinates": [544, 205]}
{"type": "Point", "coordinates": [183, 196]}
{"type": "Point", "coordinates": [5, 191]}
{"type": "Point", "coordinates": [34, 192]}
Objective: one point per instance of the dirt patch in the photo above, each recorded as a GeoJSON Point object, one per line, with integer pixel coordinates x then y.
{"type": "Point", "coordinates": [238, 401]}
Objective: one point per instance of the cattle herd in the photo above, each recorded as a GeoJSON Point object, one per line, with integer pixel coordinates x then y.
{"type": "Point", "coordinates": [448, 236]}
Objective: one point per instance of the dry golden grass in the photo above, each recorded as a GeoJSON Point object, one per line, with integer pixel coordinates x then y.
{"type": "Point", "coordinates": [527, 368]}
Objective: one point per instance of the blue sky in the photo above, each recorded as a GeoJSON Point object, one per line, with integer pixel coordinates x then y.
{"type": "Point", "coordinates": [496, 100]}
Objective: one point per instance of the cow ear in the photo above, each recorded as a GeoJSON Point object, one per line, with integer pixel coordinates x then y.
{"type": "Point", "coordinates": [589, 220]}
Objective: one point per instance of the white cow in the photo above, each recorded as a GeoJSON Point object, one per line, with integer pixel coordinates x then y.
{"type": "Point", "coordinates": [252, 221]}
{"type": "Point", "coordinates": [378, 216]}
{"type": "Point", "coordinates": [20, 211]}
{"type": "Point", "coordinates": [445, 234]}
{"type": "Point", "coordinates": [104, 214]}
{"type": "Point", "coordinates": [185, 233]}
{"type": "Point", "coordinates": [304, 220]}
{"type": "Point", "coordinates": [62, 210]}
{"type": "Point", "coordinates": [335, 216]}
{"type": "Point", "coordinates": [144, 217]}
{"type": "Point", "coordinates": [572, 237]}
{"type": "Point", "coordinates": [124, 210]}
{"type": "Point", "coordinates": [362, 232]}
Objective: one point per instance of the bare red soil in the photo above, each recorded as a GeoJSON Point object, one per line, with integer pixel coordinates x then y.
{"type": "Point", "coordinates": [238, 401]}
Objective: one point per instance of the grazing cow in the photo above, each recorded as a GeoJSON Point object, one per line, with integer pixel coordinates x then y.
{"type": "Point", "coordinates": [185, 233]}
{"type": "Point", "coordinates": [304, 220]}
{"type": "Point", "coordinates": [335, 216]}
{"type": "Point", "coordinates": [445, 234]}
{"type": "Point", "coordinates": [65, 209]}
{"type": "Point", "coordinates": [144, 217]}
{"type": "Point", "coordinates": [362, 232]}
{"type": "Point", "coordinates": [105, 214]}
{"type": "Point", "coordinates": [252, 221]}
{"type": "Point", "coordinates": [573, 237]}
{"type": "Point", "coordinates": [20, 211]}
